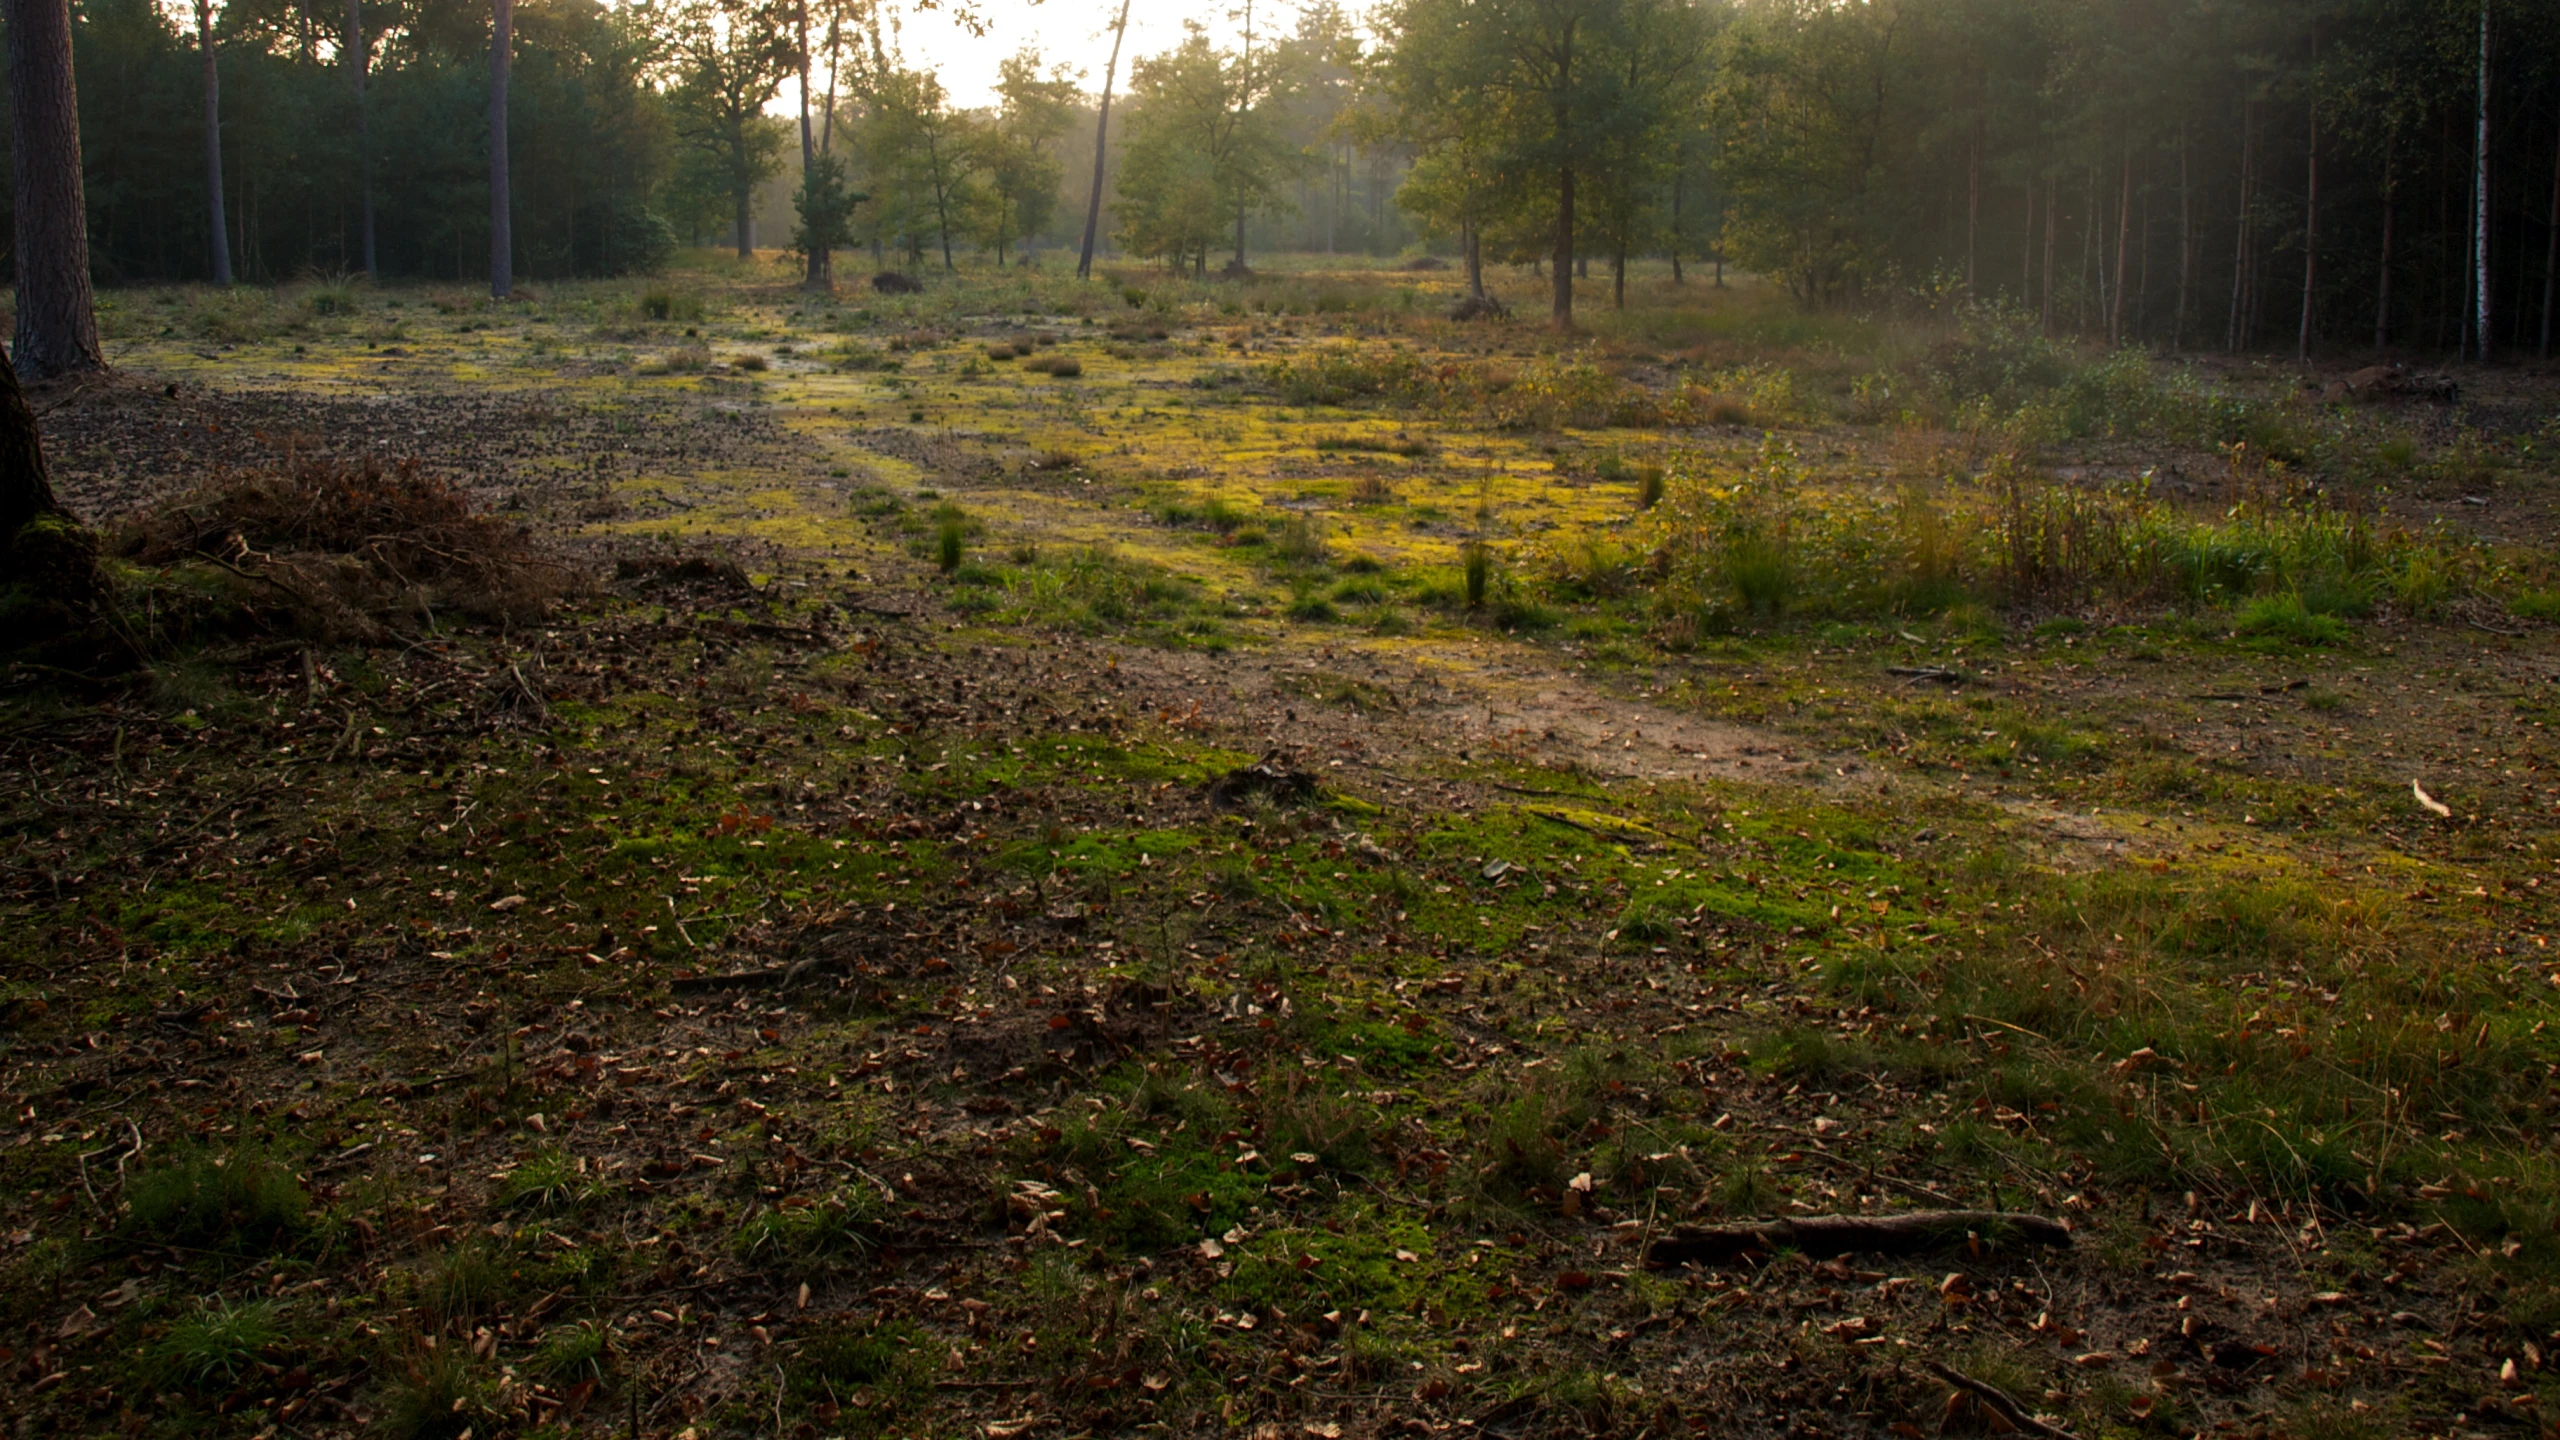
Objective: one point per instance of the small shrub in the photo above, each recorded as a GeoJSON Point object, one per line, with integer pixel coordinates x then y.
{"type": "Point", "coordinates": [1479, 572]}
{"type": "Point", "coordinates": [751, 362]}
{"type": "Point", "coordinates": [951, 542]}
{"type": "Point", "coordinates": [1648, 486]}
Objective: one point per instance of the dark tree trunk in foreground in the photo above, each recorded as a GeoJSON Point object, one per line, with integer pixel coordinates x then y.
{"type": "Point", "coordinates": [57, 320]}
{"type": "Point", "coordinates": [46, 557]}
{"type": "Point", "coordinates": [213, 143]}
{"type": "Point", "coordinates": [502, 262]}
{"type": "Point", "coordinates": [1101, 134]}
{"type": "Point", "coordinates": [25, 492]}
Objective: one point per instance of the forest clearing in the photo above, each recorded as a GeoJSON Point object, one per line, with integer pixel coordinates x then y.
{"type": "Point", "coordinates": [1156, 856]}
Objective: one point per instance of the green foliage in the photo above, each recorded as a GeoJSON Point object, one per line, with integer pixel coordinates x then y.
{"type": "Point", "coordinates": [824, 205]}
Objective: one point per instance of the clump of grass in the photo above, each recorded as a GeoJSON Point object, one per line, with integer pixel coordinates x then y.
{"type": "Point", "coordinates": [668, 305]}
{"type": "Point", "coordinates": [333, 297]}
{"type": "Point", "coordinates": [1759, 565]}
{"type": "Point", "coordinates": [1054, 364]}
{"type": "Point", "coordinates": [1301, 541]}
{"type": "Point", "coordinates": [951, 542]}
{"type": "Point", "coordinates": [569, 1354]}
{"type": "Point", "coordinates": [1054, 457]}
{"type": "Point", "coordinates": [1649, 483]}
{"type": "Point", "coordinates": [241, 1200]}
{"type": "Point", "coordinates": [831, 1230]}
{"type": "Point", "coordinates": [2536, 605]}
{"type": "Point", "coordinates": [215, 1343]}
{"type": "Point", "coordinates": [443, 1394]}
{"type": "Point", "coordinates": [2286, 617]}
{"type": "Point", "coordinates": [752, 362]}
{"type": "Point", "coordinates": [1478, 561]}
{"type": "Point", "coordinates": [1409, 446]}
{"type": "Point", "coordinates": [548, 1180]}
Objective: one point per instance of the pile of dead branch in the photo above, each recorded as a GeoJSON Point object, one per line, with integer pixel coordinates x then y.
{"type": "Point", "coordinates": [352, 549]}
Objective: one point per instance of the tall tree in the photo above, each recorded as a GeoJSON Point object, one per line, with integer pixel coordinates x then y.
{"type": "Point", "coordinates": [1101, 138]}
{"type": "Point", "coordinates": [358, 58]}
{"type": "Point", "coordinates": [1017, 151]}
{"type": "Point", "coordinates": [728, 58]}
{"type": "Point", "coordinates": [213, 143]}
{"type": "Point", "coordinates": [57, 318]}
{"type": "Point", "coordinates": [502, 235]}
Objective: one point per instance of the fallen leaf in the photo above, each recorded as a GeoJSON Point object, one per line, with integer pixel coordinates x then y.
{"type": "Point", "coordinates": [506, 902]}
{"type": "Point", "coordinates": [2431, 802]}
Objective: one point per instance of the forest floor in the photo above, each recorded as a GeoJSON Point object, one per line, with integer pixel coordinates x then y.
{"type": "Point", "coordinates": [822, 976]}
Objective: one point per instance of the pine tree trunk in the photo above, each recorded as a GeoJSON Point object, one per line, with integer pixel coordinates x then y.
{"type": "Point", "coordinates": [2310, 244]}
{"type": "Point", "coordinates": [2186, 245]}
{"type": "Point", "coordinates": [1101, 135]}
{"type": "Point", "coordinates": [2480, 288]}
{"type": "Point", "coordinates": [502, 246]}
{"type": "Point", "coordinates": [2551, 251]}
{"type": "Point", "coordinates": [1475, 259]}
{"type": "Point", "coordinates": [2124, 241]}
{"type": "Point", "coordinates": [57, 317]}
{"type": "Point", "coordinates": [2052, 203]}
{"type": "Point", "coordinates": [357, 58]}
{"type": "Point", "coordinates": [25, 490]}
{"type": "Point", "coordinates": [213, 142]}
{"type": "Point", "coordinates": [1560, 309]}
{"type": "Point", "coordinates": [2390, 212]}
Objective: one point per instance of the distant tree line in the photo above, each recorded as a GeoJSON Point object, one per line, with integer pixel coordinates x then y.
{"type": "Point", "coordinates": [2242, 174]}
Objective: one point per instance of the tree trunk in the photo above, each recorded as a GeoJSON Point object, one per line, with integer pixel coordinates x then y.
{"type": "Point", "coordinates": [25, 490]}
{"type": "Point", "coordinates": [2480, 202]}
{"type": "Point", "coordinates": [2310, 243]}
{"type": "Point", "coordinates": [57, 317]}
{"type": "Point", "coordinates": [1475, 259]}
{"type": "Point", "coordinates": [1562, 306]}
{"type": "Point", "coordinates": [2052, 207]}
{"type": "Point", "coordinates": [1618, 278]}
{"type": "Point", "coordinates": [2186, 245]}
{"type": "Point", "coordinates": [2240, 239]}
{"type": "Point", "coordinates": [502, 244]}
{"type": "Point", "coordinates": [1679, 175]}
{"type": "Point", "coordinates": [1101, 135]}
{"type": "Point", "coordinates": [2382, 298]}
{"type": "Point", "coordinates": [1973, 212]}
{"type": "Point", "coordinates": [213, 143]}
{"type": "Point", "coordinates": [2124, 240]}
{"type": "Point", "coordinates": [2551, 251]}
{"type": "Point", "coordinates": [817, 277]}
{"type": "Point", "coordinates": [357, 57]}
{"type": "Point", "coordinates": [742, 197]}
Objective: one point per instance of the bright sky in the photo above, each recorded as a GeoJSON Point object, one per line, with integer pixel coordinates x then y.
{"type": "Point", "coordinates": [1077, 32]}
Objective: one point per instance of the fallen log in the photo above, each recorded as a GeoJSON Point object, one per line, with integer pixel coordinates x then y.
{"type": "Point", "coordinates": [1912, 1233]}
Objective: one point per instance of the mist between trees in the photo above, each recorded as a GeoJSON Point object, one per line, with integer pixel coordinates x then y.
{"type": "Point", "coordinates": [2201, 173]}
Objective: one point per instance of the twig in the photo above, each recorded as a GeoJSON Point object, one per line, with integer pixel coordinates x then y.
{"type": "Point", "coordinates": [1918, 1232]}
{"type": "Point", "coordinates": [1997, 1399]}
